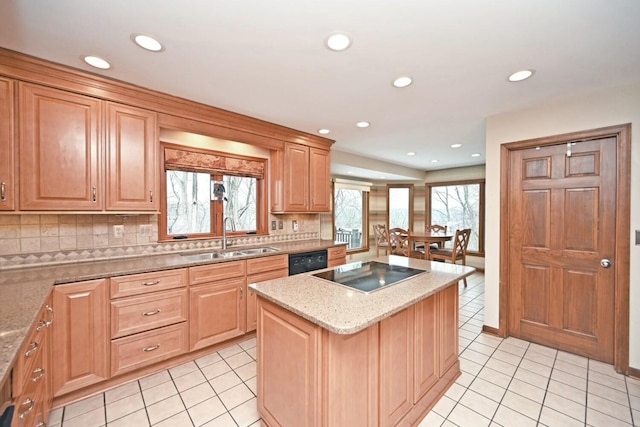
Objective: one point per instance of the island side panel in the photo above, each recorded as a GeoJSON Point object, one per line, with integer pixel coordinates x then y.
{"type": "Point", "coordinates": [350, 378]}
{"type": "Point", "coordinates": [448, 328]}
{"type": "Point", "coordinates": [426, 366]}
{"type": "Point", "coordinates": [289, 350]}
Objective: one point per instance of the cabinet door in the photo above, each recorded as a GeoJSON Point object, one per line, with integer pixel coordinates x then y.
{"type": "Point", "coordinates": [448, 327]}
{"type": "Point", "coordinates": [59, 142]}
{"type": "Point", "coordinates": [80, 335]}
{"type": "Point", "coordinates": [426, 346]}
{"type": "Point", "coordinates": [319, 181]}
{"type": "Point", "coordinates": [296, 178]}
{"type": "Point", "coordinates": [131, 159]}
{"type": "Point", "coordinates": [252, 298]}
{"type": "Point", "coordinates": [396, 366]}
{"type": "Point", "coordinates": [336, 256]}
{"type": "Point", "coordinates": [217, 312]}
{"type": "Point", "coordinates": [7, 190]}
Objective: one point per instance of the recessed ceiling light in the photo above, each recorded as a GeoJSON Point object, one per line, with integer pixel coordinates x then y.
{"type": "Point", "coordinates": [475, 155]}
{"type": "Point", "coordinates": [350, 172]}
{"type": "Point", "coordinates": [411, 153]}
{"type": "Point", "coordinates": [434, 161]}
{"type": "Point", "coordinates": [97, 62]}
{"type": "Point", "coordinates": [147, 42]}
{"type": "Point", "coordinates": [456, 145]}
{"type": "Point", "coordinates": [403, 81]}
{"type": "Point", "coordinates": [363, 124]}
{"type": "Point", "coordinates": [518, 76]}
{"type": "Point", "coordinates": [338, 42]}
{"type": "Point", "coordinates": [324, 131]}
{"type": "Point", "coordinates": [382, 176]}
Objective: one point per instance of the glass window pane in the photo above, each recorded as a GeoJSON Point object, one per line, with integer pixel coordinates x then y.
{"type": "Point", "coordinates": [241, 205]}
{"type": "Point", "coordinates": [399, 208]}
{"type": "Point", "coordinates": [188, 202]}
{"type": "Point", "coordinates": [349, 217]}
{"type": "Point", "coordinates": [457, 207]}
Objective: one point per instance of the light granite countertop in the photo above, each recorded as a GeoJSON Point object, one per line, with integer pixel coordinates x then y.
{"type": "Point", "coordinates": [23, 291]}
{"type": "Point", "coordinates": [342, 310]}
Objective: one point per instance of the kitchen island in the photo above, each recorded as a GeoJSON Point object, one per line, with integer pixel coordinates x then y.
{"type": "Point", "coordinates": [329, 355]}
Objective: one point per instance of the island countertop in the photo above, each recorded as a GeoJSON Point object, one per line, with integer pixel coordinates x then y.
{"type": "Point", "coordinates": [342, 310]}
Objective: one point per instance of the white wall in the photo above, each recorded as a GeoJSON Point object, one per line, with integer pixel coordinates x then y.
{"type": "Point", "coordinates": [614, 106]}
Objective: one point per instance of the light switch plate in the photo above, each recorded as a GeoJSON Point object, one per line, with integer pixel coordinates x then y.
{"type": "Point", "coordinates": [294, 224]}
{"type": "Point", "coordinates": [118, 231]}
{"type": "Point", "coordinates": [280, 225]}
{"type": "Point", "coordinates": [637, 237]}
{"type": "Point", "coordinates": [273, 225]}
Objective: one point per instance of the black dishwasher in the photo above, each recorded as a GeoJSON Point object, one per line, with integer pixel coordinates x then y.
{"type": "Point", "coordinates": [307, 261]}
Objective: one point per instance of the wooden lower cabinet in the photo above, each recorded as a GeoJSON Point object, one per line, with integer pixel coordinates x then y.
{"type": "Point", "coordinates": [217, 312]}
{"type": "Point", "coordinates": [261, 270]}
{"type": "Point", "coordinates": [80, 335]}
{"type": "Point", "coordinates": [135, 351]}
{"type": "Point", "coordinates": [32, 374]}
{"type": "Point", "coordinates": [336, 256]}
{"type": "Point", "coordinates": [390, 374]}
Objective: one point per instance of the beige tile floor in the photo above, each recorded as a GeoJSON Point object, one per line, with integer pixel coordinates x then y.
{"type": "Point", "coordinates": [504, 382]}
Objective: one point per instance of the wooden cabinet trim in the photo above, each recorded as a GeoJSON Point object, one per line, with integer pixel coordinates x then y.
{"type": "Point", "coordinates": [219, 271]}
{"type": "Point", "coordinates": [7, 151]}
{"type": "Point", "coordinates": [264, 264]}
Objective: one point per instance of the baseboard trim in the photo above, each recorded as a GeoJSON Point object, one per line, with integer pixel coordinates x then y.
{"type": "Point", "coordinates": [634, 373]}
{"type": "Point", "coordinates": [490, 330]}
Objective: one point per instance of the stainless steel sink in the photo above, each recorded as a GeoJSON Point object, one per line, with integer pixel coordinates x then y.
{"type": "Point", "coordinates": [228, 254]}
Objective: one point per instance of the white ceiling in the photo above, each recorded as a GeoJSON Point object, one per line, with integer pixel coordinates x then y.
{"type": "Point", "coordinates": [266, 59]}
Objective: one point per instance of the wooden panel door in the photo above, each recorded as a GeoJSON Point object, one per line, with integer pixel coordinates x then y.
{"type": "Point", "coordinates": [561, 225]}
{"type": "Point", "coordinates": [447, 328]}
{"type": "Point", "coordinates": [288, 367]}
{"type": "Point", "coordinates": [344, 357]}
{"type": "Point", "coordinates": [59, 142]}
{"type": "Point", "coordinates": [217, 312]}
{"type": "Point", "coordinates": [426, 370]}
{"type": "Point", "coordinates": [132, 175]}
{"type": "Point", "coordinates": [7, 182]}
{"type": "Point", "coordinates": [296, 178]}
{"type": "Point", "coordinates": [80, 336]}
{"type": "Point", "coordinates": [319, 181]}
{"type": "Point", "coordinates": [396, 366]}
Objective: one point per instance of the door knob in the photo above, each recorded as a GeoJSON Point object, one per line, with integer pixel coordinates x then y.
{"type": "Point", "coordinates": [605, 263]}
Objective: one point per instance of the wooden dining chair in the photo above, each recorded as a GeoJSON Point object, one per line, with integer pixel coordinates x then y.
{"type": "Point", "coordinates": [381, 238]}
{"type": "Point", "coordinates": [399, 242]}
{"type": "Point", "coordinates": [435, 228]}
{"type": "Point", "coordinates": [457, 253]}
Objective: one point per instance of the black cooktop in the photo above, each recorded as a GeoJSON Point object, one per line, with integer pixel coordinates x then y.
{"type": "Point", "coordinates": [369, 276]}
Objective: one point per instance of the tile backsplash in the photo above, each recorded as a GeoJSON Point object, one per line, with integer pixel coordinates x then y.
{"type": "Point", "coordinates": [45, 239]}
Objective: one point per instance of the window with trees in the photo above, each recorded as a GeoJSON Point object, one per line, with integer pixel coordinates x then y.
{"type": "Point", "coordinates": [400, 206]}
{"type": "Point", "coordinates": [458, 205]}
{"type": "Point", "coordinates": [351, 207]}
{"type": "Point", "coordinates": [189, 206]}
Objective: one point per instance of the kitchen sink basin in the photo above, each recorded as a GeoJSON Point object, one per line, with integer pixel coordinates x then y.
{"type": "Point", "coordinates": [228, 254]}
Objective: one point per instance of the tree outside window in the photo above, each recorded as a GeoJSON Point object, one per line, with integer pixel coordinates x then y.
{"type": "Point", "coordinates": [400, 206]}
{"type": "Point", "coordinates": [349, 217]}
{"type": "Point", "coordinates": [459, 206]}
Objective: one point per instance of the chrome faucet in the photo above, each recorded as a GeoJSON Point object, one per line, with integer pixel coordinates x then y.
{"type": "Point", "coordinates": [224, 231]}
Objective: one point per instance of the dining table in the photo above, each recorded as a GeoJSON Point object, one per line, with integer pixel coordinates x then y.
{"type": "Point", "coordinates": [427, 238]}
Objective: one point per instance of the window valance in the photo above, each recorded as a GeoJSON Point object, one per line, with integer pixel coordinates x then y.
{"type": "Point", "coordinates": [213, 163]}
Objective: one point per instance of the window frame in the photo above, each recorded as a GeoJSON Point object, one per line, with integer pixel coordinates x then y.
{"type": "Point", "coordinates": [411, 204]}
{"type": "Point", "coordinates": [365, 220]}
{"type": "Point", "coordinates": [481, 208]}
{"type": "Point", "coordinates": [262, 208]}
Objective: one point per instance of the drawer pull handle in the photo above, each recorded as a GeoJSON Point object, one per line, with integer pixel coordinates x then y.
{"type": "Point", "coordinates": [39, 376]}
{"type": "Point", "coordinates": [152, 348]}
{"type": "Point", "coordinates": [150, 196]}
{"type": "Point", "coordinates": [153, 282]}
{"type": "Point", "coordinates": [94, 194]}
{"type": "Point", "coordinates": [34, 347]}
{"type": "Point", "coordinates": [151, 313]}
{"type": "Point", "coordinates": [3, 194]}
{"type": "Point", "coordinates": [41, 424]}
{"type": "Point", "coordinates": [46, 323]}
{"type": "Point", "coordinates": [31, 404]}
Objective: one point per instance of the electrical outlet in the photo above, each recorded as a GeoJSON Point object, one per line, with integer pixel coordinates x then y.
{"type": "Point", "coordinates": [294, 225]}
{"type": "Point", "coordinates": [273, 225]}
{"type": "Point", "coordinates": [118, 231]}
{"type": "Point", "coordinates": [145, 229]}
{"type": "Point", "coordinates": [280, 225]}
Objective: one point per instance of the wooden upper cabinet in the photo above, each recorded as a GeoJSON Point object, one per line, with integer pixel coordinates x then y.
{"type": "Point", "coordinates": [132, 179]}
{"type": "Point", "coordinates": [319, 181]}
{"type": "Point", "coordinates": [7, 189]}
{"type": "Point", "coordinates": [59, 143]}
{"type": "Point", "coordinates": [300, 180]}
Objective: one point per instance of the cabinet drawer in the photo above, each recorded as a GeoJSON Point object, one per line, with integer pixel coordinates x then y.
{"type": "Point", "coordinates": [136, 351]}
{"type": "Point", "coordinates": [136, 284]}
{"type": "Point", "coordinates": [270, 263]}
{"type": "Point", "coordinates": [146, 312]}
{"type": "Point", "coordinates": [30, 360]}
{"type": "Point", "coordinates": [214, 272]}
{"type": "Point", "coordinates": [337, 252]}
